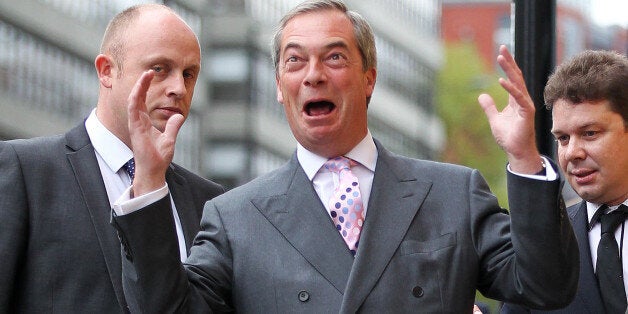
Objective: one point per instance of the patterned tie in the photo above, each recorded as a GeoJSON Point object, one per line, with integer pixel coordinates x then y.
{"type": "Point", "coordinates": [608, 269]}
{"type": "Point", "coordinates": [130, 168]}
{"type": "Point", "coordinates": [345, 205]}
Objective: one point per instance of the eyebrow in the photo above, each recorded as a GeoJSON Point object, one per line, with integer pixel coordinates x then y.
{"type": "Point", "coordinates": [329, 46]}
{"type": "Point", "coordinates": [291, 45]}
{"type": "Point", "coordinates": [578, 129]}
{"type": "Point", "coordinates": [195, 67]}
{"type": "Point", "coordinates": [337, 44]}
{"type": "Point", "coordinates": [165, 60]}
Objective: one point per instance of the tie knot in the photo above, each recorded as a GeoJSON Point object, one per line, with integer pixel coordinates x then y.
{"type": "Point", "coordinates": [338, 164]}
{"type": "Point", "coordinates": [130, 168]}
{"type": "Point", "coordinates": [611, 221]}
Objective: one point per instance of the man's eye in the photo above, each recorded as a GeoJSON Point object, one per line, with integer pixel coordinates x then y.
{"type": "Point", "coordinates": [292, 59]}
{"type": "Point", "coordinates": [589, 133]}
{"type": "Point", "coordinates": [158, 69]}
{"type": "Point", "coordinates": [336, 60]}
{"type": "Point", "coordinates": [563, 139]}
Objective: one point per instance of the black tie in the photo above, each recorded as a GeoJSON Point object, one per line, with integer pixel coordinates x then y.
{"type": "Point", "coordinates": [609, 265]}
{"type": "Point", "coordinates": [130, 168]}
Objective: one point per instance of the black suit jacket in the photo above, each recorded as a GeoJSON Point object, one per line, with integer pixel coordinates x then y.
{"type": "Point", "coordinates": [588, 299]}
{"type": "Point", "coordinates": [58, 252]}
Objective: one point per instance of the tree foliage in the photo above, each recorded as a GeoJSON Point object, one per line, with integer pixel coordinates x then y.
{"type": "Point", "coordinates": [469, 139]}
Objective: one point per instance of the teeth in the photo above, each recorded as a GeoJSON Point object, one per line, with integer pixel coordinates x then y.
{"type": "Point", "coordinates": [319, 108]}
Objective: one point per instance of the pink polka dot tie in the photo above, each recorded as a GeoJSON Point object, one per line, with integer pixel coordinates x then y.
{"type": "Point", "coordinates": [345, 205]}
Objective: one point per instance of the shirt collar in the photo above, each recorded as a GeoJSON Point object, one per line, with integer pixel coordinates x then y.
{"type": "Point", "coordinates": [112, 150]}
{"type": "Point", "coordinates": [364, 153]}
{"type": "Point", "coordinates": [592, 209]}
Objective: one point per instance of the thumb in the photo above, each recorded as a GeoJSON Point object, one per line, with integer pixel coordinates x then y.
{"type": "Point", "coordinates": [173, 125]}
{"type": "Point", "coordinates": [488, 105]}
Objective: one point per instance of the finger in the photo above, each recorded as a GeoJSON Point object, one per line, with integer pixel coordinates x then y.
{"type": "Point", "coordinates": [517, 97]}
{"type": "Point", "coordinates": [503, 51]}
{"type": "Point", "coordinates": [511, 88]}
{"type": "Point", "coordinates": [507, 62]}
{"type": "Point", "coordinates": [137, 97]}
{"type": "Point", "coordinates": [488, 105]}
{"type": "Point", "coordinates": [173, 125]}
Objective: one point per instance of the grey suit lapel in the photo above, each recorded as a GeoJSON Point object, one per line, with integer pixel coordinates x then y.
{"type": "Point", "coordinates": [395, 199]}
{"type": "Point", "coordinates": [182, 196]}
{"type": "Point", "coordinates": [590, 294]}
{"type": "Point", "coordinates": [82, 159]}
{"type": "Point", "coordinates": [297, 213]}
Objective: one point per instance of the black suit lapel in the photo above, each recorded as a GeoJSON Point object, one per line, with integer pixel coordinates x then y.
{"type": "Point", "coordinates": [82, 158]}
{"type": "Point", "coordinates": [588, 291]}
{"type": "Point", "coordinates": [190, 220]}
{"type": "Point", "coordinates": [297, 213]}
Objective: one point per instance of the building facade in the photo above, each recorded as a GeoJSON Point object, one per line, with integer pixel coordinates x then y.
{"type": "Point", "coordinates": [487, 23]}
{"type": "Point", "coordinates": [236, 129]}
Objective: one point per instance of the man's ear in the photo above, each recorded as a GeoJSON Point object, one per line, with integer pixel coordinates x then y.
{"type": "Point", "coordinates": [104, 68]}
{"type": "Point", "coordinates": [279, 93]}
{"type": "Point", "coordinates": [371, 78]}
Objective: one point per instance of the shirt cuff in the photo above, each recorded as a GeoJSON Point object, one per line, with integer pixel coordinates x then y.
{"type": "Point", "coordinates": [550, 172]}
{"type": "Point", "coordinates": [125, 204]}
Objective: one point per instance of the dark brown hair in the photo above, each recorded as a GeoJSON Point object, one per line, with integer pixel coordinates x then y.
{"type": "Point", "coordinates": [591, 76]}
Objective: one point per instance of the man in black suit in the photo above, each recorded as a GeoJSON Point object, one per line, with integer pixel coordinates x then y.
{"type": "Point", "coordinates": [58, 251]}
{"type": "Point", "coordinates": [589, 102]}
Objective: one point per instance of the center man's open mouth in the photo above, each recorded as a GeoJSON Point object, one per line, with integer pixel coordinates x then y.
{"type": "Point", "coordinates": [318, 108]}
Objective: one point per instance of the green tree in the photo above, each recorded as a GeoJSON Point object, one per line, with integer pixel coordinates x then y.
{"type": "Point", "coordinates": [469, 139]}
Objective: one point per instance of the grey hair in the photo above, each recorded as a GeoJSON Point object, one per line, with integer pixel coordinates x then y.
{"type": "Point", "coordinates": [361, 29]}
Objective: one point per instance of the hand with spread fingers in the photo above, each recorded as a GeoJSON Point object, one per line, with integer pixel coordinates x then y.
{"type": "Point", "coordinates": [513, 127]}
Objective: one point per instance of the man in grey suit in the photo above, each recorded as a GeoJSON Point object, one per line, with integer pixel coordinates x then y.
{"type": "Point", "coordinates": [430, 234]}
{"type": "Point", "coordinates": [589, 102]}
{"type": "Point", "coordinates": [58, 252]}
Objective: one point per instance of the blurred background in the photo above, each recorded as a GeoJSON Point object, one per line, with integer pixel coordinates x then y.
{"type": "Point", "coordinates": [434, 58]}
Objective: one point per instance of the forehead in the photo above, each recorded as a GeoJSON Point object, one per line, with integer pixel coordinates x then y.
{"type": "Point", "coordinates": [160, 32]}
{"type": "Point", "coordinates": [566, 114]}
{"type": "Point", "coordinates": [318, 28]}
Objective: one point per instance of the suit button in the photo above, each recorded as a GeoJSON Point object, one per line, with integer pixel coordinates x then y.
{"type": "Point", "coordinates": [304, 296]}
{"type": "Point", "coordinates": [417, 292]}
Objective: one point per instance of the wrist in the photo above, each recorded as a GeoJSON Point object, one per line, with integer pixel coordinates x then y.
{"type": "Point", "coordinates": [532, 165]}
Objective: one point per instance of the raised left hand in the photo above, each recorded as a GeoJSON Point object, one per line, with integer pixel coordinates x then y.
{"type": "Point", "coordinates": [513, 127]}
{"type": "Point", "coordinates": [153, 150]}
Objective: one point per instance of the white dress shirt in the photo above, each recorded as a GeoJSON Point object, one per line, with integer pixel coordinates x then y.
{"type": "Point", "coordinates": [324, 182]}
{"type": "Point", "coordinates": [596, 233]}
{"type": "Point", "coordinates": [112, 154]}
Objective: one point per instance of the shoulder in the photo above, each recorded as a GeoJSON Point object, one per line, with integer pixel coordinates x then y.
{"type": "Point", "coordinates": [33, 148]}
{"type": "Point", "coordinates": [275, 182]}
{"type": "Point", "coordinates": [429, 169]}
{"type": "Point", "coordinates": [196, 181]}
{"type": "Point", "coordinates": [74, 139]}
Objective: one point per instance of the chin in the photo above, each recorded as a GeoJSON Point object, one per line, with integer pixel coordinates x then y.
{"type": "Point", "coordinates": [588, 195]}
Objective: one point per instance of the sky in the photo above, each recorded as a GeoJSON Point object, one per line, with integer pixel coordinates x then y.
{"type": "Point", "coordinates": [608, 12]}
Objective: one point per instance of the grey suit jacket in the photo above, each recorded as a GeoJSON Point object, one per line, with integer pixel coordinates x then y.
{"type": "Point", "coordinates": [432, 235]}
{"type": "Point", "coordinates": [588, 299]}
{"type": "Point", "coordinates": [58, 251]}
